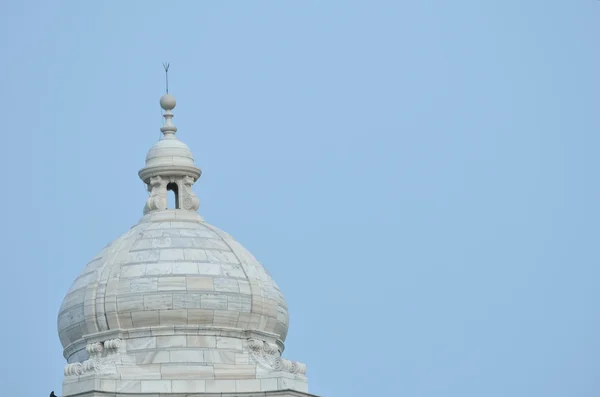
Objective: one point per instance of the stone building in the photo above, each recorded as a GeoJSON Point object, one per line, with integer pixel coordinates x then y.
{"type": "Point", "coordinates": [175, 306]}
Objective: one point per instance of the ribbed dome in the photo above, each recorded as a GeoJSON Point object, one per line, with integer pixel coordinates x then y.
{"type": "Point", "coordinates": [172, 270]}
{"type": "Point", "coordinates": [175, 305]}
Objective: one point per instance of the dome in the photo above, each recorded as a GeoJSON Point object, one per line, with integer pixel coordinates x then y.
{"type": "Point", "coordinates": [169, 156]}
{"type": "Point", "coordinates": [175, 305]}
{"type": "Point", "coordinates": [172, 270]}
{"type": "Point", "coordinates": [169, 152]}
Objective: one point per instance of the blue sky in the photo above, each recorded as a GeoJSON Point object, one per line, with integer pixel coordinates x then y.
{"type": "Point", "coordinates": [419, 177]}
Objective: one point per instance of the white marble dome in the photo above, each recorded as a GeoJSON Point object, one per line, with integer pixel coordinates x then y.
{"type": "Point", "coordinates": [169, 152]}
{"type": "Point", "coordinates": [172, 268]}
{"type": "Point", "coordinates": [175, 305]}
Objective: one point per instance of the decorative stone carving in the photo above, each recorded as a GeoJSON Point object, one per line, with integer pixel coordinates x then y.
{"type": "Point", "coordinates": [74, 369]}
{"type": "Point", "coordinates": [298, 368]}
{"type": "Point", "coordinates": [101, 357]}
{"type": "Point", "coordinates": [91, 365]}
{"type": "Point", "coordinates": [255, 344]}
{"type": "Point", "coordinates": [158, 194]}
{"type": "Point", "coordinates": [94, 348]}
{"type": "Point", "coordinates": [281, 364]}
{"type": "Point", "coordinates": [267, 354]}
{"type": "Point", "coordinates": [189, 201]}
{"type": "Point", "coordinates": [112, 344]}
{"type": "Point", "coordinates": [271, 348]}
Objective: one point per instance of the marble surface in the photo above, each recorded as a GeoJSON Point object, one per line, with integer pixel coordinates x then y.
{"type": "Point", "coordinates": [175, 305]}
{"type": "Point", "coordinates": [166, 362]}
{"type": "Point", "coordinates": [172, 271]}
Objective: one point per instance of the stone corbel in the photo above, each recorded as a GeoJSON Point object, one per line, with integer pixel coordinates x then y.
{"type": "Point", "coordinates": [157, 187]}
{"type": "Point", "coordinates": [189, 200]}
{"type": "Point", "coordinates": [98, 360]}
{"type": "Point", "coordinates": [268, 355]}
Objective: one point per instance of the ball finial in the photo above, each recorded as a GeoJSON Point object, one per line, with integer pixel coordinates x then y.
{"type": "Point", "coordinates": [167, 102]}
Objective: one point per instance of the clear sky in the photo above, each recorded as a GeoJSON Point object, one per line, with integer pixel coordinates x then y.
{"type": "Point", "coordinates": [419, 177]}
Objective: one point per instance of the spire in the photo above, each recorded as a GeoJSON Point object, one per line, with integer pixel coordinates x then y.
{"type": "Point", "coordinates": [170, 165]}
{"type": "Point", "coordinates": [168, 102]}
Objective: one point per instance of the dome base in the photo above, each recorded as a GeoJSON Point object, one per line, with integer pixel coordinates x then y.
{"type": "Point", "coordinates": [182, 360]}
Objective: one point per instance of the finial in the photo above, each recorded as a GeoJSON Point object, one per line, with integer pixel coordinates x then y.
{"type": "Point", "coordinates": [167, 102]}
{"type": "Point", "coordinates": [166, 66]}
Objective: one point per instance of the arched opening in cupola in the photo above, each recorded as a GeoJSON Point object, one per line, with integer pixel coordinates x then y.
{"type": "Point", "coordinates": [172, 196]}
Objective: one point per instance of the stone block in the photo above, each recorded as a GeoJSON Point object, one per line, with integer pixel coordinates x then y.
{"type": "Point", "coordinates": [142, 244]}
{"type": "Point", "coordinates": [141, 372]}
{"type": "Point", "coordinates": [196, 233]}
{"type": "Point", "coordinates": [201, 341]}
{"type": "Point", "coordinates": [187, 301]}
{"type": "Point", "coordinates": [124, 320]}
{"type": "Point", "coordinates": [225, 318]}
{"type": "Point", "coordinates": [213, 302]}
{"type": "Point", "coordinates": [121, 285]}
{"type": "Point", "coordinates": [172, 283]}
{"type": "Point", "coordinates": [152, 357]}
{"type": "Point", "coordinates": [268, 384]}
{"type": "Point", "coordinates": [188, 386]}
{"type": "Point", "coordinates": [155, 386]}
{"type": "Point", "coordinates": [234, 270]}
{"type": "Point", "coordinates": [133, 271]}
{"type": "Point", "coordinates": [215, 356]}
{"type": "Point", "coordinates": [141, 343]}
{"type": "Point", "coordinates": [130, 303]}
{"type": "Point", "coordinates": [108, 385]}
{"type": "Point", "coordinates": [187, 356]}
{"type": "Point", "coordinates": [193, 254]}
{"type": "Point", "coordinates": [229, 343]}
{"type": "Point", "coordinates": [247, 385]}
{"type": "Point", "coordinates": [128, 386]}
{"type": "Point", "coordinates": [171, 341]}
{"type": "Point", "coordinates": [79, 387]}
{"type": "Point", "coordinates": [214, 256]}
{"type": "Point", "coordinates": [220, 386]}
{"type": "Point", "coordinates": [200, 316]}
{"type": "Point", "coordinates": [159, 269]}
{"type": "Point", "coordinates": [180, 372]}
{"type": "Point", "coordinates": [241, 358]}
{"type": "Point", "coordinates": [173, 317]}
{"type": "Point", "coordinates": [225, 371]}
{"type": "Point", "coordinates": [144, 318]}
{"type": "Point", "coordinates": [152, 233]}
{"type": "Point", "coordinates": [145, 284]}
{"type": "Point", "coordinates": [185, 268]}
{"type": "Point", "coordinates": [199, 283]}
{"type": "Point", "coordinates": [209, 269]}
{"type": "Point", "coordinates": [158, 301]}
{"type": "Point", "coordinates": [175, 254]}
{"type": "Point", "coordinates": [294, 384]}
{"type": "Point", "coordinates": [239, 303]}
{"type": "Point", "coordinates": [244, 320]}
{"type": "Point", "coordinates": [226, 285]}
{"type": "Point", "coordinates": [183, 242]}
{"type": "Point", "coordinates": [244, 287]}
